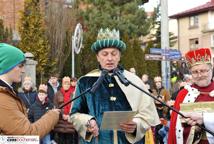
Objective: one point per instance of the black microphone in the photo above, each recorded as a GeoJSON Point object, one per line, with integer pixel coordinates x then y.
{"type": "Point", "coordinates": [121, 77]}
{"type": "Point", "coordinates": [104, 72]}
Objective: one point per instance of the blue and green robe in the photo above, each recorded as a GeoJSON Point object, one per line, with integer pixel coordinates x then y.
{"type": "Point", "coordinates": [112, 96]}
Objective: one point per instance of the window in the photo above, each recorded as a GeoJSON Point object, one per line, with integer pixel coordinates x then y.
{"type": "Point", "coordinates": [212, 40]}
{"type": "Point", "coordinates": [210, 19]}
{"type": "Point", "coordinates": [193, 21]}
{"type": "Point", "coordinates": [193, 43]}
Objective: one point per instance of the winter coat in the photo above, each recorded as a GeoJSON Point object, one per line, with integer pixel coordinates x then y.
{"type": "Point", "coordinates": [51, 92]}
{"type": "Point", "coordinates": [28, 97]}
{"type": "Point", "coordinates": [37, 110]}
{"type": "Point", "coordinates": [165, 96]}
{"type": "Point", "coordinates": [14, 120]}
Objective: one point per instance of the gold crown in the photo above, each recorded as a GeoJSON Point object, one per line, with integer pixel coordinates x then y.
{"type": "Point", "coordinates": [108, 34]}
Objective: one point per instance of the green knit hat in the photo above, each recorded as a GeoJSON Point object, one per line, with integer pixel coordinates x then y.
{"type": "Point", "coordinates": [106, 39]}
{"type": "Point", "coordinates": [10, 57]}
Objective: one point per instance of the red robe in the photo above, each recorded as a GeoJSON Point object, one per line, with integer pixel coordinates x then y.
{"type": "Point", "coordinates": [180, 97]}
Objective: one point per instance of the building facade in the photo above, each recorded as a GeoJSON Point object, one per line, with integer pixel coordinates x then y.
{"type": "Point", "coordinates": [196, 27]}
{"type": "Point", "coordinates": [10, 14]}
{"type": "Point", "coordinates": [10, 11]}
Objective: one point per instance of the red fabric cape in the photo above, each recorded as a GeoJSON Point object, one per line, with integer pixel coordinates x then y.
{"type": "Point", "coordinates": [172, 132]}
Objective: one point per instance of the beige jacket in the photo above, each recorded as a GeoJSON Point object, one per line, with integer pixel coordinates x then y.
{"type": "Point", "coordinates": [14, 120]}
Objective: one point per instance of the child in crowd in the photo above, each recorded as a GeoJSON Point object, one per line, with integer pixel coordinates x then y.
{"type": "Point", "coordinates": [39, 108]}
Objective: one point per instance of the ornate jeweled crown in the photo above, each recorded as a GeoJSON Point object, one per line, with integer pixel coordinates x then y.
{"type": "Point", "coordinates": [108, 34]}
{"type": "Point", "coordinates": [107, 38]}
{"type": "Point", "coordinates": [199, 56]}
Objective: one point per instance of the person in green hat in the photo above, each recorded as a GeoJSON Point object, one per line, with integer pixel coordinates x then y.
{"type": "Point", "coordinates": [87, 111]}
{"type": "Point", "coordinates": [14, 120]}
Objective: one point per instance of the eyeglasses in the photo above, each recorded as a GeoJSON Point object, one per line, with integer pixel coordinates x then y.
{"type": "Point", "coordinates": [201, 72]}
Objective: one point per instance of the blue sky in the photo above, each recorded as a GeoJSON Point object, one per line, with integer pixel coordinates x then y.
{"type": "Point", "coordinates": [175, 6]}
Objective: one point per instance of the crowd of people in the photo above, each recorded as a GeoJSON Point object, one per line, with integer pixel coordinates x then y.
{"type": "Point", "coordinates": [46, 97]}
{"type": "Point", "coordinates": [36, 111]}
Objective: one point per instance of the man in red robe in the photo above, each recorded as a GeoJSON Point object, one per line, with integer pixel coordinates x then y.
{"type": "Point", "coordinates": [199, 63]}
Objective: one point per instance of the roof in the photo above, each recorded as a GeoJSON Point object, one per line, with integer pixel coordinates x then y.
{"type": "Point", "coordinates": [196, 10]}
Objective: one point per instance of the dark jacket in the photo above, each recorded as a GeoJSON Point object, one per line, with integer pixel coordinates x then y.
{"type": "Point", "coordinates": [164, 95]}
{"type": "Point", "coordinates": [28, 97]}
{"type": "Point", "coordinates": [37, 110]}
{"type": "Point", "coordinates": [51, 92]}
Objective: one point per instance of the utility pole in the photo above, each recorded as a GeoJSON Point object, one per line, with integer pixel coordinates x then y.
{"type": "Point", "coordinates": [165, 65]}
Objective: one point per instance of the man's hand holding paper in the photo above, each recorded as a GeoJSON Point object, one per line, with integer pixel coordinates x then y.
{"type": "Point", "coordinates": [128, 126]}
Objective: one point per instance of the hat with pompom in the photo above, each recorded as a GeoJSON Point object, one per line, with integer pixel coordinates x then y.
{"type": "Point", "coordinates": [107, 38]}
{"type": "Point", "coordinates": [10, 57]}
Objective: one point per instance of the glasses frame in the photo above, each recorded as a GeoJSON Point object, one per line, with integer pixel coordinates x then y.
{"type": "Point", "coordinates": [201, 72]}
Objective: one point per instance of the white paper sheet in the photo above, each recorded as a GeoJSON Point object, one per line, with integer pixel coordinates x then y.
{"type": "Point", "coordinates": [112, 119]}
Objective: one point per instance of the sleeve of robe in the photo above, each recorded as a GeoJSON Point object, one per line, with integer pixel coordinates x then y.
{"type": "Point", "coordinates": [209, 124]}
{"type": "Point", "coordinates": [144, 105]}
{"type": "Point", "coordinates": [79, 116]}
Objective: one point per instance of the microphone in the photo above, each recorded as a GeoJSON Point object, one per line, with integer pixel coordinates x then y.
{"type": "Point", "coordinates": [104, 72]}
{"type": "Point", "coordinates": [92, 89]}
{"type": "Point", "coordinates": [121, 77]}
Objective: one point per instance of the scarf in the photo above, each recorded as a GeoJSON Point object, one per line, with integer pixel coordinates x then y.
{"type": "Point", "coordinates": [68, 94]}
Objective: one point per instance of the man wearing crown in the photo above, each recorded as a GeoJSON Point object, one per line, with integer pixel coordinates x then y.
{"type": "Point", "coordinates": [199, 63]}
{"type": "Point", "coordinates": [111, 95]}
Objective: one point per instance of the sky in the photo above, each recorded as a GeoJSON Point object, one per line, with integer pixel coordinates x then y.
{"type": "Point", "coordinates": [175, 6]}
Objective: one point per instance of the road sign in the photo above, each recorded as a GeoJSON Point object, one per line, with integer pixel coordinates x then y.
{"type": "Point", "coordinates": [154, 57]}
{"type": "Point", "coordinates": [164, 54]}
{"type": "Point", "coordinates": [173, 57]}
{"type": "Point", "coordinates": [162, 57]}
{"type": "Point", "coordinates": [156, 50]}
{"type": "Point", "coordinates": [174, 52]}
{"type": "Point", "coordinates": [164, 51]}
